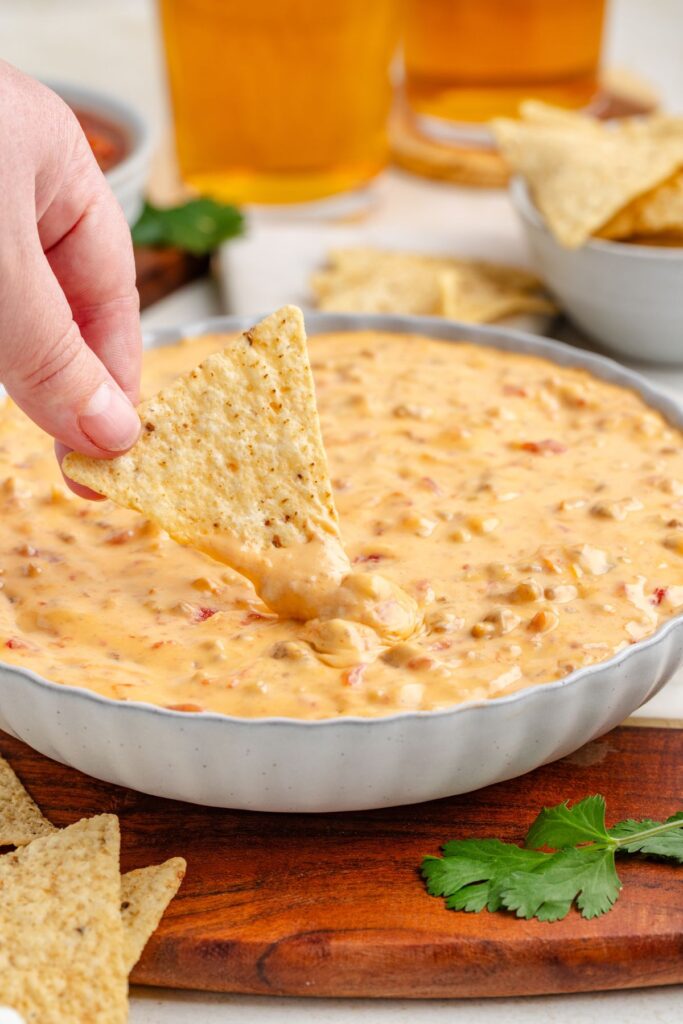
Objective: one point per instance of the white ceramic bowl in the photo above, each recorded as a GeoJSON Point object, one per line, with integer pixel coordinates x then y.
{"type": "Point", "coordinates": [628, 298]}
{"type": "Point", "coordinates": [282, 764]}
{"type": "Point", "coordinates": [128, 179]}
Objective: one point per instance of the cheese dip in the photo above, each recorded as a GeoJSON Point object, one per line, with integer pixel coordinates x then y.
{"type": "Point", "coordinates": [534, 513]}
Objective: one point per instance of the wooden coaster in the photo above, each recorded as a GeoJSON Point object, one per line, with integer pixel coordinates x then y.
{"type": "Point", "coordinates": [620, 95]}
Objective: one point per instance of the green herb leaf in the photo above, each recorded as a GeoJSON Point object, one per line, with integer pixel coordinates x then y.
{"type": "Point", "coordinates": [473, 871]}
{"type": "Point", "coordinates": [586, 875]}
{"type": "Point", "coordinates": [197, 226]}
{"type": "Point", "coordinates": [478, 874]}
{"type": "Point", "coordinates": [560, 826]}
{"type": "Point", "coordinates": [657, 838]}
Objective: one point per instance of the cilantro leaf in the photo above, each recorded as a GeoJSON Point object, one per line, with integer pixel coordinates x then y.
{"type": "Point", "coordinates": [478, 874]}
{"type": "Point", "coordinates": [197, 226]}
{"type": "Point", "coordinates": [472, 871]}
{"type": "Point", "coordinates": [587, 876]}
{"type": "Point", "coordinates": [656, 838]}
{"type": "Point", "coordinates": [560, 826]}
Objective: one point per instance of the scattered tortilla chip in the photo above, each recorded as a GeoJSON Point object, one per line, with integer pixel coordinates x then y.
{"type": "Point", "coordinates": [61, 937]}
{"type": "Point", "coordinates": [145, 894]}
{"type": "Point", "coordinates": [657, 214]}
{"type": "Point", "coordinates": [478, 298]}
{"type": "Point", "coordinates": [580, 180]}
{"type": "Point", "coordinates": [231, 459]}
{"type": "Point", "coordinates": [20, 818]}
{"type": "Point", "coordinates": [379, 281]}
{"type": "Point", "coordinates": [56, 872]}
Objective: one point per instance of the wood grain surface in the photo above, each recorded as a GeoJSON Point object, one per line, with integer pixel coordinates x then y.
{"type": "Point", "coordinates": [162, 271]}
{"type": "Point", "coordinates": [332, 904]}
{"type": "Point", "coordinates": [483, 166]}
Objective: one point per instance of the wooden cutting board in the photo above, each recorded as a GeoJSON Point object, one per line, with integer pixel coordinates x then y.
{"type": "Point", "coordinates": [159, 272]}
{"type": "Point", "coordinates": [332, 904]}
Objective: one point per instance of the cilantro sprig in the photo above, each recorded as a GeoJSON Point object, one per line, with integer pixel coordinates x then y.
{"type": "Point", "coordinates": [197, 226]}
{"type": "Point", "coordinates": [568, 857]}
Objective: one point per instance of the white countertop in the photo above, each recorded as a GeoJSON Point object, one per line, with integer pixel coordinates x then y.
{"type": "Point", "coordinates": [643, 1006]}
{"type": "Point", "coordinates": [113, 46]}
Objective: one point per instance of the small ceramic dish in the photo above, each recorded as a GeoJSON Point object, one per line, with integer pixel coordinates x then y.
{"type": "Point", "coordinates": [128, 177]}
{"type": "Point", "coordinates": [341, 764]}
{"type": "Point", "coordinates": [627, 297]}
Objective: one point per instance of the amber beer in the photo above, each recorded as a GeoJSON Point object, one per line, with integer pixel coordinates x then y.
{"type": "Point", "coordinates": [279, 101]}
{"type": "Point", "coordinates": [470, 60]}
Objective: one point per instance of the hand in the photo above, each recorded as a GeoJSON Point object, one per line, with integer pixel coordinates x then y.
{"type": "Point", "coordinates": [69, 311]}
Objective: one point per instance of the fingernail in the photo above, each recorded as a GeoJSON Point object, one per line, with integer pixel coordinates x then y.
{"type": "Point", "coordinates": [109, 420]}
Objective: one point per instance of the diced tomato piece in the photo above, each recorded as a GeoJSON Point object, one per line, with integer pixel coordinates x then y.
{"type": "Point", "coordinates": [658, 595]}
{"type": "Point", "coordinates": [254, 617]}
{"type": "Point", "coordinates": [15, 644]}
{"type": "Point", "coordinates": [202, 614]}
{"type": "Point", "coordinates": [420, 661]}
{"type": "Point", "coordinates": [353, 676]}
{"type": "Point", "coordinates": [122, 537]}
{"type": "Point", "coordinates": [545, 447]}
{"type": "Point", "coordinates": [430, 485]}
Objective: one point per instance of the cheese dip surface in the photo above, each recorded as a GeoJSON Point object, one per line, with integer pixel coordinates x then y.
{"type": "Point", "coordinates": [535, 513]}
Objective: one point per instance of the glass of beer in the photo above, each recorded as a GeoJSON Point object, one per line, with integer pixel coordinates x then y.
{"type": "Point", "coordinates": [467, 61]}
{"type": "Point", "coordinates": [279, 101]}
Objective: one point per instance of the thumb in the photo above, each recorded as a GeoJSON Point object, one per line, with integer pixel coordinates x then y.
{"type": "Point", "coordinates": [50, 372]}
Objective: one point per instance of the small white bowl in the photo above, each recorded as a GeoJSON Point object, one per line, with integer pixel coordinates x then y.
{"type": "Point", "coordinates": [626, 297]}
{"type": "Point", "coordinates": [127, 179]}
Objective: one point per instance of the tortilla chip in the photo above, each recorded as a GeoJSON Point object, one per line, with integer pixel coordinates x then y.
{"type": "Point", "coordinates": [538, 112]}
{"type": "Point", "coordinates": [61, 937]}
{"type": "Point", "coordinates": [369, 280]}
{"type": "Point", "coordinates": [380, 281]}
{"type": "Point", "coordinates": [477, 299]}
{"type": "Point", "coordinates": [657, 213]}
{"type": "Point", "coordinates": [145, 894]}
{"type": "Point", "coordinates": [388, 283]}
{"type": "Point", "coordinates": [500, 275]}
{"type": "Point", "coordinates": [20, 818]}
{"type": "Point", "coordinates": [579, 181]}
{"type": "Point", "coordinates": [231, 459]}
{"type": "Point", "coordinates": [665, 127]}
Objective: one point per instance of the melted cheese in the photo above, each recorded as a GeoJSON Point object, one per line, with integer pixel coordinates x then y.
{"type": "Point", "coordinates": [533, 513]}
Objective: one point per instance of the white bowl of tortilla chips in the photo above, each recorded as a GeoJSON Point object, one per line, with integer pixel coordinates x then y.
{"type": "Point", "coordinates": [626, 297]}
{"type": "Point", "coordinates": [352, 762]}
{"type": "Point", "coordinates": [602, 207]}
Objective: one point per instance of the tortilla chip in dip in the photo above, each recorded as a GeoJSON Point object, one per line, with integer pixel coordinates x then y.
{"type": "Point", "coordinates": [231, 462]}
